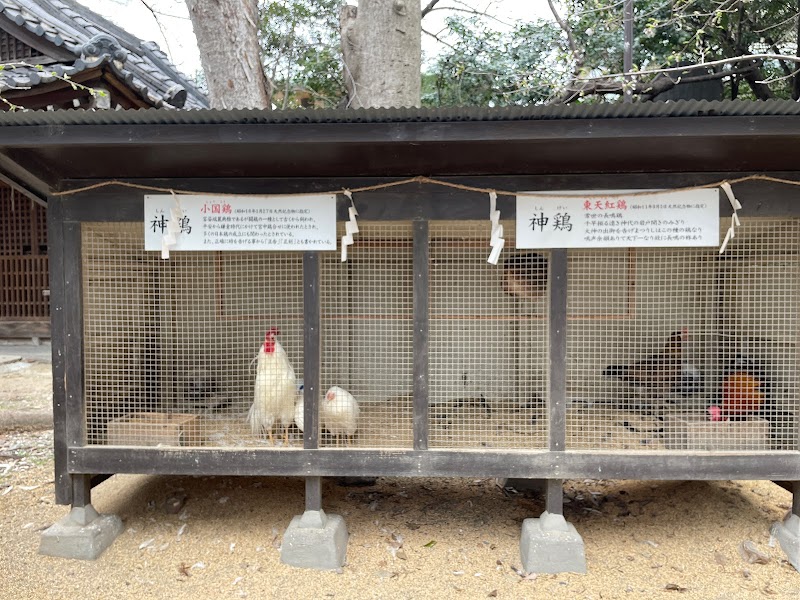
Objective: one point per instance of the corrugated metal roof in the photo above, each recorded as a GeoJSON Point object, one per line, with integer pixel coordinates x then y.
{"type": "Point", "coordinates": [44, 149]}
{"type": "Point", "coordinates": [689, 108]}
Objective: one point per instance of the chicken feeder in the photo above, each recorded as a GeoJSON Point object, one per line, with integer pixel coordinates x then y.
{"type": "Point", "coordinates": [533, 295]}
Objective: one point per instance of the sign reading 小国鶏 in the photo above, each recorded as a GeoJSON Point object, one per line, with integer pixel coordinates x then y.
{"type": "Point", "coordinates": [186, 222]}
{"type": "Point", "coordinates": [617, 219]}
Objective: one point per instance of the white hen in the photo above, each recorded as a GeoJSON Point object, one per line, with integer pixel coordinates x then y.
{"type": "Point", "coordinates": [275, 389]}
{"type": "Point", "coordinates": [299, 413]}
{"type": "Point", "coordinates": [339, 412]}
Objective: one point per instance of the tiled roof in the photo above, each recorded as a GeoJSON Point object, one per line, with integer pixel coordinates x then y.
{"type": "Point", "coordinates": [94, 41]}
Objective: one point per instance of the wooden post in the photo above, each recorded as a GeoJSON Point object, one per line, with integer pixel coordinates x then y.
{"type": "Point", "coordinates": [421, 333]}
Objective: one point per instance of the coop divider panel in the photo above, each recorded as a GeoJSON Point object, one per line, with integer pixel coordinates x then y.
{"type": "Point", "coordinates": [368, 329]}
{"type": "Point", "coordinates": [170, 344]}
{"type": "Point", "coordinates": [488, 349]}
{"type": "Point", "coordinates": [657, 336]}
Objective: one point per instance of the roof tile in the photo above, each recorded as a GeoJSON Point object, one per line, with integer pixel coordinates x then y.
{"type": "Point", "coordinates": [67, 24]}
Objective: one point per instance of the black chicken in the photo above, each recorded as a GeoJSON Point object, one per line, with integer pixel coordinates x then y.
{"type": "Point", "coordinates": [656, 373]}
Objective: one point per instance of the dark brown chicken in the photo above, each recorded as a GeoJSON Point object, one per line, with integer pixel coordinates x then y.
{"type": "Point", "coordinates": [525, 275]}
{"type": "Point", "coordinates": [659, 372]}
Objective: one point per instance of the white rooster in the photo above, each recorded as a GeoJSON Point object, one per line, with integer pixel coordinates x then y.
{"type": "Point", "coordinates": [339, 412]}
{"type": "Point", "coordinates": [275, 389]}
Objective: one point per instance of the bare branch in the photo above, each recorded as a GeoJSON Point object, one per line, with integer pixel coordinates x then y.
{"type": "Point", "coordinates": [429, 8]}
{"type": "Point", "coordinates": [568, 31]}
{"type": "Point", "coordinates": [438, 39]}
{"type": "Point", "coordinates": [158, 23]}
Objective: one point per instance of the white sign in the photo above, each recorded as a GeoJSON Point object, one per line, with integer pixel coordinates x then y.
{"type": "Point", "coordinates": [612, 219]}
{"type": "Point", "coordinates": [240, 222]}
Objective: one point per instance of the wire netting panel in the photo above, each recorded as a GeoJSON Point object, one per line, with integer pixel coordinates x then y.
{"type": "Point", "coordinates": [367, 315]}
{"type": "Point", "coordinates": [684, 349]}
{"type": "Point", "coordinates": [488, 341]}
{"type": "Point", "coordinates": [169, 345]}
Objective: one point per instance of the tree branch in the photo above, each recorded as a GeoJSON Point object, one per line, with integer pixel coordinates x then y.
{"type": "Point", "coordinates": [611, 84]}
{"type": "Point", "coordinates": [158, 23]}
{"type": "Point", "coordinates": [712, 63]}
{"type": "Point", "coordinates": [429, 8]}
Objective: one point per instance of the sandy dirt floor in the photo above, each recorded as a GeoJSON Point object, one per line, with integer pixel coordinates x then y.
{"type": "Point", "coordinates": [189, 537]}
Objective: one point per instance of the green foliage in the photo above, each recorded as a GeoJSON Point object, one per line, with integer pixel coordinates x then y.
{"type": "Point", "coordinates": [531, 63]}
{"type": "Point", "coordinates": [300, 51]}
{"type": "Point", "coordinates": [689, 32]}
{"type": "Point", "coordinates": [487, 67]}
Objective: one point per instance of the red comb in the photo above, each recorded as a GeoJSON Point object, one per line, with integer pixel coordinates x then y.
{"type": "Point", "coordinates": [273, 331]}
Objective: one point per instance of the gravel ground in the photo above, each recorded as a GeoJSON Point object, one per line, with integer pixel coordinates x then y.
{"type": "Point", "coordinates": [410, 538]}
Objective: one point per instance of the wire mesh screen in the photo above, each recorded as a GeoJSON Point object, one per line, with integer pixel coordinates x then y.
{"type": "Point", "coordinates": [684, 349]}
{"type": "Point", "coordinates": [174, 350]}
{"type": "Point", "coordinates": [488, 341]}
{"type": "Point", "coordinates": [367, 315]}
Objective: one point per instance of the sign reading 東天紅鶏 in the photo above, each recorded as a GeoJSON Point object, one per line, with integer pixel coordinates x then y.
{"type": "Point", "coordinates": [617, 219]}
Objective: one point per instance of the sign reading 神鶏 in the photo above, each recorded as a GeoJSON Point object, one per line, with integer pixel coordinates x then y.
{"type": "Point", "coordinates": [241, 222]}
{"type": "Point", "coordinates": [612, 219]}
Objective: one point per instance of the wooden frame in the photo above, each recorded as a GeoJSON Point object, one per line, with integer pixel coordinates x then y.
{"type": "Point", "coordinates": [74, 459]}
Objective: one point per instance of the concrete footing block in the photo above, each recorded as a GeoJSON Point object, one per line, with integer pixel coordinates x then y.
{"type": "Point", "coordinates": [83, 534]}
{"type": "Point", "coordinates": [788, 535]}
{"type": "Point", "coordinates": [551, 545]}
{"type": "Point", "coordinates": [315, 540]}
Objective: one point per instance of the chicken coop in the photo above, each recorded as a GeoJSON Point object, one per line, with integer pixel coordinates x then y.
{"type": "Point", "coordinates": [532, 294]}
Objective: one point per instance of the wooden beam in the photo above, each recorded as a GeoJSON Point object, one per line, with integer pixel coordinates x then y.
{"type": "Point", "coordinates": [780, 466]}
{"type": "Point", "coordinates": [24, 329]}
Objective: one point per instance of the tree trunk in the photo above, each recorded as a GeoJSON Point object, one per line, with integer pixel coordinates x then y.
{"type": "Point", "coordinates": [796, 77]}
{"type": "Point", "coordinates": [226, 32]}
{"type": "Point", "coordinates": [382, 52]}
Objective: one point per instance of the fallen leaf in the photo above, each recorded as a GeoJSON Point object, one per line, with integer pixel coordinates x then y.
{"type": "Point", "coordinates": [675, 587]}
{"type": "Point", "coordinates": [751, 554]}
{"type": "Point", "coordinates": [430, 544]}
{"type": "Point", "coordinates": [401, 554]}
{"type": "Point", "coordinates": [276, 542]}
{"type": "Point", "coordinates": [492, 594]}
{"type": "Point", "coordinates": [174, 504]}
